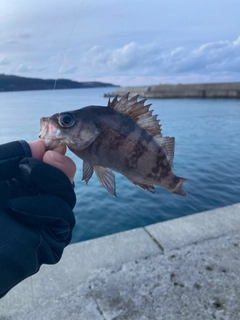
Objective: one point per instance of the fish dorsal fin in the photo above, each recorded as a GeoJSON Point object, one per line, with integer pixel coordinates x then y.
{"type": "Point", "coordinates": [139, 112]}
{"type": "Point", "coordinates": [168, 144]}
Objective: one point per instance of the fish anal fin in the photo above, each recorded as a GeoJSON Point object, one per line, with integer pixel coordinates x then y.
{"type": "Point", "coordinates": [87, 171]}
{"type": "Point", "coordinates": [145, 187]}
{"type": "Point", "coordinates": [139, 112]}
{"type": "Point", "coordinates": [168, 145]}
{"type": "Point", "coordinates": [107, 178]}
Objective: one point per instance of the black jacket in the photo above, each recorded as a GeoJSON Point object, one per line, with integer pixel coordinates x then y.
{"type": "Point", "coordinates": [36, 218]}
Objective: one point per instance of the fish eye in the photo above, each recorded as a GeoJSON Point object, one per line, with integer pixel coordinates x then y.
{"type": "Point", "coordinates": [66, 120]}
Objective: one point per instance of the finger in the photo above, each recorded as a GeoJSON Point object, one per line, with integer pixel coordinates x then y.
{"type": "Point", "coordinates": [61, 149]}
{"type": "Point", "coordinates": [37, 148]}
{"type": "Point", "coordinates": [61, 162]}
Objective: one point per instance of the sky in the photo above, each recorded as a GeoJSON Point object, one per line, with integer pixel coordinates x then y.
{"type": "Point", "coordinates": [124, 42]}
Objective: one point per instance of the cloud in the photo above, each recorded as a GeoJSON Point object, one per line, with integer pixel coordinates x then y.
{"type": "Point", "coordinates": [24, 34]}
{"type": "Point", "coordinates": [68, 70]}
{"type": "Point", "coordinates": [4, 61]}
{"type": "Point", "coordinates": [151, 59]}
{"type": "Point", "coordinates": [19, 36]}
{"type": "Point", "coordinates": [132, 63]}
{"type": "Point", "coordinates": [9, 42]}
{"type": "Point", "coordinates": [16, 38]}
{"type": "Point", "coordinates": [22, 68]}
{"type": "Point", "coordinates": [124, 58]}
{"type": "Point", "coordinates": [27, 68]}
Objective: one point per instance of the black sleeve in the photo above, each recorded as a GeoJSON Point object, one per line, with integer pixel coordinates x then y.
{"type": "Point", "coordinates": [10, 155]}
{"type": "Point", "coordinates": [36, 218]}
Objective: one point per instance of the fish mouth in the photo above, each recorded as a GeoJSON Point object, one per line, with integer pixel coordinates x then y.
{"type": "Point", "coordinates": [47, 129]}
{"type": "Point", "coordinates": [43, 128]}
{"type": "Point", "coordinates": [48, 133]}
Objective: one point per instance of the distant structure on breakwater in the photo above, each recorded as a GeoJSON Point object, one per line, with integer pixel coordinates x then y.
{"type": "Point", "coordinates": [170, 91]}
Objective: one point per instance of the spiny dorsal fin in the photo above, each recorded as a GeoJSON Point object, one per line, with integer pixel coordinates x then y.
{"type": "Point", "coordinates": [139, 112]}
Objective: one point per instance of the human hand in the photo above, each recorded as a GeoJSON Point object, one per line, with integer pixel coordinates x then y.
{"type": "Point", "coordinates": [55, 157]}
{"type": "Point", "coordinates": [36, 202]}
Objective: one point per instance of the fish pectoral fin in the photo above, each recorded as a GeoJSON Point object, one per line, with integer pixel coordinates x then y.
{"type": "Point", "coordinates": [145, 187]}
{"type": "Point", "coordinates": [107, 179]}
{"type": "Point", "coordinates": [87, 171]}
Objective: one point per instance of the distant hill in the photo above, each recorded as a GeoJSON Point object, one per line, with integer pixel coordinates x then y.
{"type": "Point", "coordinates": [15, 83]}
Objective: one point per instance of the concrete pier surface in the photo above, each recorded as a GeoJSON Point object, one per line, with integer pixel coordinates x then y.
{"type": "Point", "coordinates": [183, 269]}
{"type": "Point", "coordinates": [171, 91]}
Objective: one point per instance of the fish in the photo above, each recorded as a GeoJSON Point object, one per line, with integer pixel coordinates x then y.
{"type": "Point", "coordinates": [124, 137]}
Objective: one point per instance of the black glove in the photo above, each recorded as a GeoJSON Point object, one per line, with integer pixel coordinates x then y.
{"type": "Point", "coordinates": [36, 218]}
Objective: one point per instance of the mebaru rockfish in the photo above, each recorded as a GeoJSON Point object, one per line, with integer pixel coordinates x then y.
{"type": "Point", "coordinates": [124, 137]}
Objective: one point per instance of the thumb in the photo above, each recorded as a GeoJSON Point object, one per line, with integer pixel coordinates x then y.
{"type": "Point", "coordinates": [61, 162]}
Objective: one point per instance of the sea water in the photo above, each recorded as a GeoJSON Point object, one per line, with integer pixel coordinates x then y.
{"type": "Point", "coordinates": [207, 152]}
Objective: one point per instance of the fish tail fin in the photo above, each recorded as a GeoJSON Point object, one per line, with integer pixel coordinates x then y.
{"type": "Point", "coordinates": [179, 190]}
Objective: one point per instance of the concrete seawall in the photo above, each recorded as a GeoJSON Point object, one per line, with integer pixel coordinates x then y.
{"type": "Point", "coordinates": [185, 269]}
{"type": "Point", "coordinates": [167, 91]}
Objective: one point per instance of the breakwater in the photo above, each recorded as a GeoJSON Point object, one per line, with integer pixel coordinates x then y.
{"type": "Point", "coordinates": [170, 91]}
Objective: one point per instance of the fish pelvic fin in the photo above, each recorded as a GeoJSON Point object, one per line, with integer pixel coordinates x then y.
{"type": "Point", "coordinates": [178, 189]}
{"type": "Point", "coordinates": [87, 171]}
{"type": "Point", "coordinates": [107, 179]}
{"type": "Point", "coordinates": [139, 112]}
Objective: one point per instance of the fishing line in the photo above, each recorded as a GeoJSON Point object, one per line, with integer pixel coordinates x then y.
{"type": "Point", "coordinates": [66, 46]}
